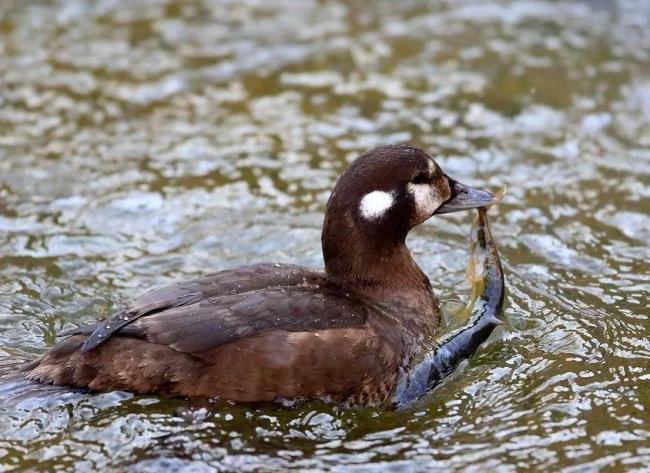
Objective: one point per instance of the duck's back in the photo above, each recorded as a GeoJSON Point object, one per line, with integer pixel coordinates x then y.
{"type": "Point", "coordinates": [255, 333]}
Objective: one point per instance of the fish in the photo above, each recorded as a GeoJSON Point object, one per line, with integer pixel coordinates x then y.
{"type": "Point", "coordinates": [434, 363]}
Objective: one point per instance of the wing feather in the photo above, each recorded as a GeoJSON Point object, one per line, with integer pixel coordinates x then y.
{"type": "Point", "coordinates": [220, 320]}
{"type": "Point", "coordinates": [193, 291]}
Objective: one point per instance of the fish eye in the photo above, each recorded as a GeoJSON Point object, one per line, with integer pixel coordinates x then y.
{"type": "Point", "coordinates": [421, 178]}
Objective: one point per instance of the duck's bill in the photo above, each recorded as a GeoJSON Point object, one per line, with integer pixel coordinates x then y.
{"type": "Point", "coordinates": [464, 198]}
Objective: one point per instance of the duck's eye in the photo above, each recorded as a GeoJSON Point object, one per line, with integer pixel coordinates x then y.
{"type": "Point", "coordinates": [421, 178]}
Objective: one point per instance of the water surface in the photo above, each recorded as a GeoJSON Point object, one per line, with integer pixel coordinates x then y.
{"type": "Point", "coordinates": [142, 142]}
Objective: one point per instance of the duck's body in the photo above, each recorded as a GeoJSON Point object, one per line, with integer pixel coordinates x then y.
{"type": "Point", "coordinates": [256, 333]}
{"type": "Point", "coordinates": [270, 331]}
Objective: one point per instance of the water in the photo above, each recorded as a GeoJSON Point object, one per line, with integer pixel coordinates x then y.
{"type": "Point", "coordinates": [142, 142]}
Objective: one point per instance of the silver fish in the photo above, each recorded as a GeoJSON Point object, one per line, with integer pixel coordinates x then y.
{"type": "Point", "coordinates": [486, 275]}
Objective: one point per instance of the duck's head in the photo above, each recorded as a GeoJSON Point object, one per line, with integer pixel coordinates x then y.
{"type": "Point", "coordinates": [377, 200]}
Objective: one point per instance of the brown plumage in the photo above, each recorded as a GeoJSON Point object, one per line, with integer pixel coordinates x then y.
{"type": "Point", "coordinates": [270, 331]}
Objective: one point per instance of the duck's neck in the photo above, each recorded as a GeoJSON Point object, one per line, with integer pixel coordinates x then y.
{"type": "Point", "coordinates": [381, 269]}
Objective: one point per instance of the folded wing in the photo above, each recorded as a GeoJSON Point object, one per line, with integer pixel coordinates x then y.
{"type": "Point", "coordinates": [193, 292]}
{"type": "Point", "coordinates": [213, 322]}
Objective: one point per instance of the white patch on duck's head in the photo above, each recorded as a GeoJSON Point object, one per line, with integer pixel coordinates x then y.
{"type": "Point", "coordinates": [375, 204]}
{"type": "Point", "coordinates": [427, 200]}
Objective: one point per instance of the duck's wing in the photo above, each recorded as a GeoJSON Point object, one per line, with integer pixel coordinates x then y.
{"type": "Point", "coordinates": [216, 321]}
{"type": "Point", "coordinates": [192, 291]}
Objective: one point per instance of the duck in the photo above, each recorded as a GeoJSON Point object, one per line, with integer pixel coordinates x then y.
{"type": "Point", "coordinates": [270, 332]}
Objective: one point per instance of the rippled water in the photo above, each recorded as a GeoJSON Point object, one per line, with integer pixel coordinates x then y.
{"type": "Point", "coordinates": [142, 142]}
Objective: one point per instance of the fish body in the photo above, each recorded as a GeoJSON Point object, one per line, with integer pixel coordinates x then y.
{"type": "Point", "coordinates": [485, 273]}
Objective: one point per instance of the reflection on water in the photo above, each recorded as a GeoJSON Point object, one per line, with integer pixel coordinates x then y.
{"type": "Point", "coordinates": [146, 141]}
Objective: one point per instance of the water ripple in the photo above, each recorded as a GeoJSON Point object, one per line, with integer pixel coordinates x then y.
{"type": "Point", "coordinates": [155, 140]}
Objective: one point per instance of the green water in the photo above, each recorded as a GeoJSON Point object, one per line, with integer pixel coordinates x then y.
{"type": "Point", "coordinates": [142, 142]}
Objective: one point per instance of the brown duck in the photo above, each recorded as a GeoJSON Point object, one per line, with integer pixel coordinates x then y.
{"type": "Point", "coordinates": [273, 331]}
